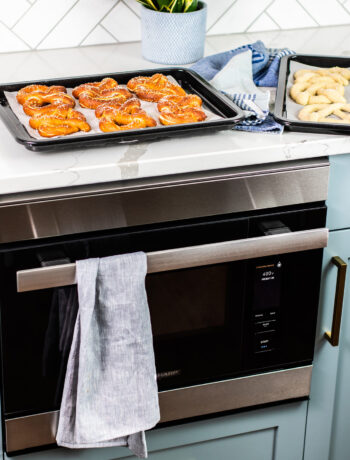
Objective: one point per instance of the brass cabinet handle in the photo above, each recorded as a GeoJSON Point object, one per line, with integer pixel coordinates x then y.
{"type": "Point", "coordinates": [333, 336]}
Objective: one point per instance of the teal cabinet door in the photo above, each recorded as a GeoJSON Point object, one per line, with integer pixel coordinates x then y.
{"type": "Point", "coordinates": [275, 433]}
{"type": "Point", "coordinates": [340, 435]}
{"type": "Point", "coordinates": [338, 201]}
{"type": "Point", "coordinates": [328, 421]}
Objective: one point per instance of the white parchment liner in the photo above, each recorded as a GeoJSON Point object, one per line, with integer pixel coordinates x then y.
{"type": "Point", "coordinates": [292, 108]}
{"type": "Point", "coordinates": [149, 107]}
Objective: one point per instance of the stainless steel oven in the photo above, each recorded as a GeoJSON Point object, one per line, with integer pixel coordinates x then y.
{"type": "Point", "coordinates": [234, 262]}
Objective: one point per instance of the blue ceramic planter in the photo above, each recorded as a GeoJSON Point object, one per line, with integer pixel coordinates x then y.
{"type": "Point", "coordinates": [173, 38]}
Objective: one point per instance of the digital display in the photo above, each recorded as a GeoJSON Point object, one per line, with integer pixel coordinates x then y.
{"type": "Point", "coordinates": [267, 287]}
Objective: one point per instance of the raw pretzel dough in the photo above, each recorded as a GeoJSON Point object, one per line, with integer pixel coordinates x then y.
{"type": "Point", "coordinates": [316, 91]}
{"type": "Point", "coordinates": [322, 113]}
{"type": "Point", "coordinates": [322, 86]}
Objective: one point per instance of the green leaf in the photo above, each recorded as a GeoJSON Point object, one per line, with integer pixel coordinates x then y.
{"type": "Point", "coordinates": [163, 4]}
{"type": "Point", "coordinates": [171, 6]}
{"type": "Point", "coordinates": [149, 4]}
{"type": "Point", "coordinates": [176, 6]}
{"type": "Point", "coordinates": [190, 5]}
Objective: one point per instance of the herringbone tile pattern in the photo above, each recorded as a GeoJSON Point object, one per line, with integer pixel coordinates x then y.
{"type": "Point", "coordinates": [40, 24]}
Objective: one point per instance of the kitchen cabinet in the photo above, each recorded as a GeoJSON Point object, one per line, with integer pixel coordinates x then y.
{"type": "Point", "coordinates": [323, 384]}
{"type": "Point", "coordinates": [264, 434]}
{"type": "Point", "coordinates": [327, 433]}
{"type": "Point", "coordinates": [338, 201]}
{"type": "Point", "coordinates": [339, 436]}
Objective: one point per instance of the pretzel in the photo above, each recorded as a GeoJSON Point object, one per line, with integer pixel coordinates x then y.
{"type": "Point", "coordinates": [26, 92]}
{"type": "Point", "coordinates": [315, 91]}
{"type": "Point", "coordinates": [128, 116]}
{"type": "Point", "coordinates": [38, 100]}
{"type": "Point", "coordinates": [338, 74]}
{"type": "Point", "coordinates": [59, 120]}
{"type": "Point", "coordinates": [131, 106]}
{"type": "Point", "coordinates": [58, 111]}
{"type": "Point", "coordinates": [106, 83]}
{"type": "Point", "coordinates": [154, 88]}
{"type": "Point", "coordinates": [92, 98]}
{"type": "Point", "coordinates": [114, 104]}
{"type": "Point", "coordinates": [322, 112]}
{"type": "Point", "coordinates": [190, 100]}
{"type": "Point", "coordinates": [57, 127]}
{"type": "Point", "coordinates": [180, 109]}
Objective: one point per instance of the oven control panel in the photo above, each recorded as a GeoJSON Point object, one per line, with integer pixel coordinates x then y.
{"type": "Point", "coordinates": [266, 305]}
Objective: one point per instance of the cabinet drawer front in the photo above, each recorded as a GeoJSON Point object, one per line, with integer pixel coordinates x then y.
{"type": "Point", "coordinates": [263, 434]}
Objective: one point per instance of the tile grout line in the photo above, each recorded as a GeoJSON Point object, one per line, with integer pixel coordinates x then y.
{"type": "Point", "coordinates": [110, 33]}
{"type": "Point", "coordinates": [221, 16]}
{"type": "Point", "coordinates": [86, 36]}
{"type": "Point", "coordinates": [273, 20]}
{"type": "Point", "coordinates": [16, 35]}
{"type": "Point", "coordinates": [341, 2]}
{"type": "Point", "coordinates": [99, 23]}
{"type": "Point", "coordinates": [30, 6]}
{"type": "Point", "coordinates": [134, 12]}
{"type": "Point", "coordinates": [259, 15]}
{"type": "Point", "coordinates": [58, 22]}
{"type": "Point", "coordinates": [346, 11]}
{"type": "Point", "coordinates": [309, 14]}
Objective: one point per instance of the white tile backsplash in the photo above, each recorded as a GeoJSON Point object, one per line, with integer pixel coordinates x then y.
{"type": "Point", "coordinates": [135, 6]}
{"type": "Point", "coordinates": [123, 24]}
{"type": "Point", "coordinates": [13, 12]}
{"type": "Point", "coordinates": [9, 41]}
{"type": "Point", "coordinates": [289, 14]}
{"type": "Point", "coordinates": [214, 13]}
{"type": "Point", "coordinates": [98, 35]}
{"type": "Point", "coordinates": [326, 12]}
{"type": "Point", "coordinates": [263, 22]}
{"type": "Point", "coordinates": [40, 19]}
{"type": "Point", "coordinates": [31, 24]}
{"type": "Point", "coordinates": [77, 23]}
{"type": "Point", "coordinates": [239, 16]}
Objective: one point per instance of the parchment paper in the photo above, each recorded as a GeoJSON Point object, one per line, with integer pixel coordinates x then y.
{"type": "Point", "coordinates": [292, 108]}
{"type": "Point", "coordinates": [149, 107]}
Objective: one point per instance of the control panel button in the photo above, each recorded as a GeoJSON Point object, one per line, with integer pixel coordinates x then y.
{"type": "Point", "coordinates": [265, 315]}
{"type": "Point", "coordinates": [262, 326]}
{"type": "Point", "coordinates": [260, 316]}
{"type": "Point", "coordinates": [265, 341]}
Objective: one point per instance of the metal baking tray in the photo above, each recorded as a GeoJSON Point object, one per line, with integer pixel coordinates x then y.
{"type": "Point", "coordinates": [190, 81]}
{"type": "Point", "coordinates": [280, 113]}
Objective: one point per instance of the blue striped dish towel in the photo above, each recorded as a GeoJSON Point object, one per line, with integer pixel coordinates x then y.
{"type": "Point", "coordinates": [239, 73]}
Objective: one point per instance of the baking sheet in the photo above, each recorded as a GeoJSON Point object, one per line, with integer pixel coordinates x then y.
{"type": "Point", "coordinates": [149, 107]}
{"type": "Point", "coordinates": [292, 108]}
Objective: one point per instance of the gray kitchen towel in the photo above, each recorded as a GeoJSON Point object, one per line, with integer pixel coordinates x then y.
{"type": "Point", "coordinates": [110, 394]}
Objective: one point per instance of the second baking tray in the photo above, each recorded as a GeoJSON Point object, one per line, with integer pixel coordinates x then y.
{"type": "Point", "coordinates": [280, 112]}
{"type": "Point", "coordinates": [190, 81]}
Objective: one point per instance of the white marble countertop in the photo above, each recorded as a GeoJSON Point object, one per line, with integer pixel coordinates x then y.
{"type": "Point", "coordinates": [22, 170]}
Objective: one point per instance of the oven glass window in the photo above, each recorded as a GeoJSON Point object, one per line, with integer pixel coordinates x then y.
{"type": "Point", "coordinates": [195, 316]}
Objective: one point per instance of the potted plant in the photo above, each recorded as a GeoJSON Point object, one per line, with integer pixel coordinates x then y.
{"type": "Point", "coordinates": [173, 31]}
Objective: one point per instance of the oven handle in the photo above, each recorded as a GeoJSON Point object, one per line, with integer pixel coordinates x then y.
{"type": "Point", "coordinates": [188, 257]}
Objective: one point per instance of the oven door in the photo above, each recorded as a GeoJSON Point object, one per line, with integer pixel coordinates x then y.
{"type": "Point", "coordinates": [223, 314]}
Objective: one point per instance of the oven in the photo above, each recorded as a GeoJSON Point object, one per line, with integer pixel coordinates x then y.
{"type": "Point", "coordinates": [234, 262]}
